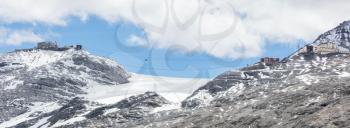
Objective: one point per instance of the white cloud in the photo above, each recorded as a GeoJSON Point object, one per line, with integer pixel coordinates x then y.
{"type": "Point", "coordinates": [17, 37]}
{"type": "Point", "coordinates": [137, 41]}
{"type": "Point", "coordinates": [222, 28]}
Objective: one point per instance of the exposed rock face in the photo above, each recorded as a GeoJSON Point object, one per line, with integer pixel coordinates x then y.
{"type": "Point", "coordinates": [70, 110]}
{"type": "Point", "coordinates": [147, 100]}
{"type": "Point", "coordinates": [134, 108]}
{"type": "Point", "coordinates": [81, 113]}
{"type": "Point", "coordinates": [51, 76]}
{"type": "Point", "coordinates": [74, 107]}
{"type": "Point", "coordinates": [339, 35]}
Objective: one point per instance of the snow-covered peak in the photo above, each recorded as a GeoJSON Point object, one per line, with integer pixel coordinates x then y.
{"type": "Point", "coordinates": [340, 35]}
{"type": "Point", "coordinates": [36, 75]}
{"type": "Point", "coordinates": [37, 58]}
{"type": "Point", "coordinates": [346, 23]}
{"type": "Point", "coordinates": [336, 40]}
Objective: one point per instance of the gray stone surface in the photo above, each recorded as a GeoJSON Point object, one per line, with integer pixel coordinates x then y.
{"type": "Point", "coordinates": [129, 110]}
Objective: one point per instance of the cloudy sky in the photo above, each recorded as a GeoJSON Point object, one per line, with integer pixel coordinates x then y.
{"type": "Point", "coordinates": [188, 38]}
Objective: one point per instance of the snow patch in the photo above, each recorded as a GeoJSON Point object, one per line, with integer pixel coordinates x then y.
{"type": "Point", "coordinates": [344, 74]}
{"type": "Point", "coordinates": [36, 58]}
{"type": "Point", "coordinates": [69, 121]}
{"type": "Point", "coordinates": [235, 90]}
{"type": "Point", "coordinates": [293, 88]}
{"type": "Point", "coordinates": [308, 79]}
{"type": "Point", "coordinates": [172, 89]}
{"type": "Point", "coordinates": [37, 107]}
{"type": "Point", "coordinates": [204, 96]}
{"type": "Point", "coordinates": [41, 123]}
{"type": "Point", "coordinates": [108, 111]}
{"type": "Point", "coordinates": [166, 107]}
{"type": "Point", "coordinates": [13, 84]}
{"type": "Point", "coordinates": [262, 76]}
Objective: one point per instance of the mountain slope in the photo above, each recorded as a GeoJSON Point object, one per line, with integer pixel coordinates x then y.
{"type": "Point", "coordinates": [43, 76]}
{"type": "Point", "coordinates": [82, 113]}
{"type": "Point", "coordinates": [299, 93]}
{"type": "Point", "coordinates": [304, 91]}
{"type": "Point", "coordinates": [43, 88]}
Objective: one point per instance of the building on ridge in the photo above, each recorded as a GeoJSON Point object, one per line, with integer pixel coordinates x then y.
{"type": "Point", "coordinates": [268, 61]}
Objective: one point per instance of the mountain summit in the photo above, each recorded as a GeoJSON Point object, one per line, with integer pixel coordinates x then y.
{"type": "Point", "coordinates": [340, 35]}
{"type": "Point", "coordinates": [37, 76]}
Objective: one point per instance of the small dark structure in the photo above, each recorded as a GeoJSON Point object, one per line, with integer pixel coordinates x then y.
{"type": "Point", "coordinates": [3, 64]}
{"type": "Point", "coordinates": [65, 48]}
{"type": "Point", "coordinates": [309, 49]}
{"type": "Point", "coordinates": [24, 50]}
{"type": "Point", "coordinates": [52, 46]}
{"type": "Point", "coordinates": [47, 45]}
{"type": "Point", "coordinates": [79, 47]}
{"type": "Point", "coordinates": [268, 61]}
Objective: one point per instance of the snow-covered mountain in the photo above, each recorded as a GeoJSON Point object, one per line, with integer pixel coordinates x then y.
{"type": "Point", "coordinates": [42, 77]}
{"type": "Point", "coordinates": [47, 88]}
{"type": "Point", "coordinates": [76, 89]}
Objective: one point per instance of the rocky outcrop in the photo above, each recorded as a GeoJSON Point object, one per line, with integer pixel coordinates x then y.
{"type": "Point", "coordinates": [74, 107]}
{"type": "Point", "coordinates": [126, 111]}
